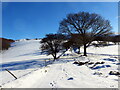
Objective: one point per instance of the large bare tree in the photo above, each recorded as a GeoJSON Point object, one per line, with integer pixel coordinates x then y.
{"type": "Point", "coordinates": [53, 44]}
{"type": "Point", "coordinates": [86, 25]}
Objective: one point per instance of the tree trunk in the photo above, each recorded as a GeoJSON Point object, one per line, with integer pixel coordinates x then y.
{"type": "Point", "coordinates": [85, 52]}
{"type": "Point", "coordinates": [78, 50]}
{"type": "Point", "coordinates": [61, 55]}
{"type": "Point", "coordinates": [55, 57]}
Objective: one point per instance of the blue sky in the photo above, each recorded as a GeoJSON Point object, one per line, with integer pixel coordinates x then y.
{"type": "Point", "coordinates": [35, 19]}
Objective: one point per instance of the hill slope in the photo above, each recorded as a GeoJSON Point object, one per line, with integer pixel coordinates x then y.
{"type": "Point", "coordinates": [22, 51]}
{"type": "Point", "coordinates": [25, 60]}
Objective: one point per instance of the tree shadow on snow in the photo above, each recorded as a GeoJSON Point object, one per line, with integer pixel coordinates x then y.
{"type": "Point", "coordinates": [34, 63]}
{"type": "Point", "coordinates": [22, 65]}
{"type": "Point", "coordinates": [110, 59]}
{"type": "Point", "coordinates": [117, 63]}
{"type": "Point", "coordinates": [100, 67]}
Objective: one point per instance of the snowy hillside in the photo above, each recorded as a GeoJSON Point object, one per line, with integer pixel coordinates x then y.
{"type": "Point", "coordinates": [25, 60]}
{"type": "Point", "coordinates": [22, 51]}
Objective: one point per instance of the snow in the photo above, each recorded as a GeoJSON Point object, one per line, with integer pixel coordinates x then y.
{"type": "Point", "coordinates": [22, 50]}
{"type": "Point", "coordinates": [108, 50]}
{"type": "Point", "coordinates": [24, 59]}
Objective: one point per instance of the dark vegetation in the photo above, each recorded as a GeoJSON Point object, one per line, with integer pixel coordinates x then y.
{"type": "Point", "coordinates": [5, 43]}
{"type": "Point", "coordinates": [53, 44]}
{"type": "Point", "coordinates": [87, 26]}
{"type": "Point", "coordinates": [114, 73]}
{"type": "Point", "coordinates": [80, 63]}
{"type": "Point", "coordinates": [88, 63]}
{"type": "Point", "coordinates": [104, 40]}
{"type": "Point", "coordinates": [79, 29]}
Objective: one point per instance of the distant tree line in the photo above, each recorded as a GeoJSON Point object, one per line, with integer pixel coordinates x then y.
{"type": "Point", "coordinates": [5, 43]}
{"type": "Point", "coordinates": [115, 39]}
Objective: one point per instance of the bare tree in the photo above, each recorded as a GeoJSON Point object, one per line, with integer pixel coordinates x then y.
{"type": "Point", "coordinates": [73, 41]}
{"type": "Point", "coordinates": [86, 25]}
{"type": "Point", "coordinates": [52, 44]}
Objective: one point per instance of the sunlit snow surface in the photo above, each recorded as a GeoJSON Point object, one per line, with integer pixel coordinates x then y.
{"type": "Point", "coordinates": [26, 61]}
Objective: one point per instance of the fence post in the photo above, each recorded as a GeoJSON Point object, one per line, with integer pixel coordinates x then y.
{"type": "Point", "coordinates": [11, 74]}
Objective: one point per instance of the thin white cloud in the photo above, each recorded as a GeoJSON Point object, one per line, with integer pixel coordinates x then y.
{"type": "Point", "coordinates": [117, 17]}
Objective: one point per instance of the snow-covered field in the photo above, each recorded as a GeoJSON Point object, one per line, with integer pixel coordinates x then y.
{"type": "Point", "coordinates": [25, 61]}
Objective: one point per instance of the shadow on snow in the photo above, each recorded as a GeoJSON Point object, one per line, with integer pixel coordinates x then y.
{"type": "Point", "coordinates": [100, 67]}
{"type": "Point", "coordinates": [21, 65]}
{"type": "Point", "coordinates": [110, 59]}
{"type": "Point", "coordinates": [34, 63]}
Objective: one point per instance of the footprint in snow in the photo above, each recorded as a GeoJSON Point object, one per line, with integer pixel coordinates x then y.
{"type": "Point", "coordinates": [63, 69]}
{"type": "Point", "coordinates": [52, 84]}
{"type": "Point", "coordinates": [66, 74]}
{"type": "Point", "coordinates": [112, 86]}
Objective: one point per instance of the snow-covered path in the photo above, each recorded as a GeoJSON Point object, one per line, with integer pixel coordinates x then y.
{"type": "Point", "coordinates": [63, 74]}
{"type": "Point", "coordinates": [50, 79]}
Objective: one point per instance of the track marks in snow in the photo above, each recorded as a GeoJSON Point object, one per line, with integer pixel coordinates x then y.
{"type": "Point", "coordinates": [58, 74]}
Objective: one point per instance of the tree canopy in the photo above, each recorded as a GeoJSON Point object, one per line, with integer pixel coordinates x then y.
{"type": "Point", "coordinates": [87, 25]}
{"type": "Point", "coordinates": [52, 44]}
